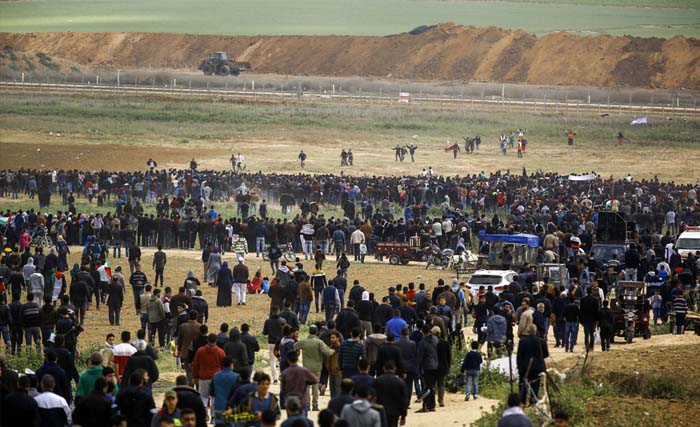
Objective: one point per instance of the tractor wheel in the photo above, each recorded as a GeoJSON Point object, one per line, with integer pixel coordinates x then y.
{"type": "Point", "coordinates": [224, 70]}
{"type": "Point", "coordinates": [405, 261]}
{"type": "Point", "coordinates": [629, 336]}
{"type": "Point", "coordinates": [208, 69]}
{"type": "Point", "coordinates": [647, 334]}
{"type": "Point", "coordinates": [394, 259]}
{"type": "Point", "coordinates": [235, 70]}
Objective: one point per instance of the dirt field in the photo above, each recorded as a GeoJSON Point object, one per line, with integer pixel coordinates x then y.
{"type": "Point", "coordinates": [376, 277]}
{"type": "Point", "coordinates": [122, 132]}
{"type": "Point", "coordinates": [444, 52]}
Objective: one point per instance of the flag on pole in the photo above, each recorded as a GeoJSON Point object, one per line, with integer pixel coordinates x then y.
{"type": "Point", "coordinates": [4, 221]}
{"type": "Point", "coordinates": [639, 121]}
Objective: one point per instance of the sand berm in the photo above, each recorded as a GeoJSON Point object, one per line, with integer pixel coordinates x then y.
{"type": "Point", "coordinates": [441, 52]}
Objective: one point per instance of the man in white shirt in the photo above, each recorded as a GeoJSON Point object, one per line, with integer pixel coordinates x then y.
{"type": "Point", "coordinates": [53, 409]}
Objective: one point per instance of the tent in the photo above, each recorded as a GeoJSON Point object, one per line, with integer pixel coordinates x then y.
{"type": "Point", "coordinates": [521, 239]}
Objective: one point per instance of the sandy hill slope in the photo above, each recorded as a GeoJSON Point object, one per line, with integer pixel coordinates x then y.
{"type": "Point", "coordinates": [440, 52]}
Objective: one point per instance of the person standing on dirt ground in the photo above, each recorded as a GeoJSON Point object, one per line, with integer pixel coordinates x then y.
{"type": "Point", "coordinates": [504, 144]}
{"type": "Point", "coordinates": [412, 151]}
{"type": "Point", "coordinates": [455, 150]}
{"type": "Point", "coordinates": [233, 161]}
{"type": "Point", "coordinates": [302, 158]}
{"type": "Point", "coordinates": [350, 157]}
{"type": "Point", "coordinates": [398, 153]}
{"type": "Point", "coordinates": [511, 140]}
{"type": "Point", "coordinates": [240, 278]}
{"type": "Point", "coordinates": [620, 137]}
{"type": "Point", "coordinates": [570, 134]}
{"type": "Point", "coordinates": [520, 148]}
{"type": "Point", "coordinates": [343, 158]}
{"type": "Point", "coordinates": [680, 307]}
{"type": "Point", "coordinates": [159, 261]}
{"type": "Point", "coordinates": [151, 165]}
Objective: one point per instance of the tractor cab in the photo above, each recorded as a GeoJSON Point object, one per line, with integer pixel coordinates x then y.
{"type": "Point", "coordinates": [220, 56]}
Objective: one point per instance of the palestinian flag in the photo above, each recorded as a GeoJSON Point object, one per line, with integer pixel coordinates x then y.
{"type": "Point", "coordinates": [4, 221]}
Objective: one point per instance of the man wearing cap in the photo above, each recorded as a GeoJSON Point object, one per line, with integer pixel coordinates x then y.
{"type": "Point", "coordinates": [294, 413]}
{"type": "Point", "coordinates": [314, 352]}
{"type": "Point", "coordinates": [240, 277]}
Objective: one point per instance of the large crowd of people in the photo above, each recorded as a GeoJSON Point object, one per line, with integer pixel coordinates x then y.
{"type": "Point", "coordinates": [374, 354]}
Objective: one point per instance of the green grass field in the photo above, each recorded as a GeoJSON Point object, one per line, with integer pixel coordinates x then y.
{"type": "Point", "coordinates": [123, 131]}
{"type": "Point", "coordinates": [663, 18]}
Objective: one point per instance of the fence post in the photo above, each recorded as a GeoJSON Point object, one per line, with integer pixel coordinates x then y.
{"type": "Point", "coordinates": [252, 85]}
{"type": "Point", "coordinates": [118, 78]}
{"type": "Point", "coordinates": [98, 80]}
{"type": "Point", "coordinates": [22, 78]}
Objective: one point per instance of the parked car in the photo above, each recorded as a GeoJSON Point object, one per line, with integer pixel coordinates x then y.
{"type": "Point", "coordinates": [499, 279]}
{"type": "Point", "coordinates": [688, 241]}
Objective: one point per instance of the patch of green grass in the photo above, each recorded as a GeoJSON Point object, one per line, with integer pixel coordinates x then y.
{"type": "Point", "coordinates": [664, 18]}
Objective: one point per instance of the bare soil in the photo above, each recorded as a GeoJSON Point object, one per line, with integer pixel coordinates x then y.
{"type": "Point", "coordinates": [444, 52]}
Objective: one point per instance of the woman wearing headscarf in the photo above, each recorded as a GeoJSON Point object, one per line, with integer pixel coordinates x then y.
{"type": "Point", "coordinates": [224, 281]}
{"type": "Point", "coordinates": [213, 266]}
{"type": "Point", "coordinates": [191, 283]}
{"type": "Point", "coordinates": [74, 272]}
{"type": "Point", "coordinates": [63, 251]}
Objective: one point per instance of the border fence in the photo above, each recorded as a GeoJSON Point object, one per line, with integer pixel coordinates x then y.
{"type": "Point", "coordinates": [609, 100]}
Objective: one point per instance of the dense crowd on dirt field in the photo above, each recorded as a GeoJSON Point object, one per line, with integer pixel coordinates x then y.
{"type": "Point", "coordinates": [386, 208]}
{"type": "Point", "coordinates": [372, 352]}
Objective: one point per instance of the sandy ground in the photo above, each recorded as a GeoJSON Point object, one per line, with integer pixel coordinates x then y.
{"type": "Point", "coordinates": [377, 277]}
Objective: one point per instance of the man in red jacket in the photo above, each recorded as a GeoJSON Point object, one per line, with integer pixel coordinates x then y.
{"type": "Point", "coordinates": [207, 362]}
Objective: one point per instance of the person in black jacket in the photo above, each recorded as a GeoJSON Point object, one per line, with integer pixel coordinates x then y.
{"type": "Point", "coordinates": [347, 319]}
{"type": "Point", "coordinates": [251, 343]}
{"type": "Point", "coordinates": [590, 312]}
{"type": "Point", "coordinates": [187, 397]}
{"type": "Point", "coordinates": [141, 360]}
{"type": "Point", "coordinates": [95, 409]}
{"type": "Point", "coordinates": [532, 350]}
{"type": "Point", "coordinates": [391, 393]}
{"type": "Point", "coordinates": [78, 297]}
{"type": "Point", "coordinates": [135, 402]}
{"type": "Point", "coordinates": [25, 411]}
{"type": "Point", "coordinates": [444, 353]}
{"type": "Point", "coordinates": [273, 328]}
{"type": "Point", "coordinates": [606, 326]}
{"type": "Point", "coordinates": [388, 351]}
{"type": "Point", "coordinates": [115, 300]}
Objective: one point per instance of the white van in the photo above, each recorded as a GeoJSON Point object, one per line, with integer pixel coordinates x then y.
{"type": "Point", "coordinates": [688, 241]}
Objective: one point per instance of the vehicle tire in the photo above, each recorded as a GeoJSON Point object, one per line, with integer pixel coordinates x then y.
{"type": "Point", "coordinates": [629, 336]}
{"type": "Point", "coordinates": [224, 70]}
{"type": "Point", "coordinates": [235, 70]}
{"type": "Point", "coordinates": [379, 258]}
{"type": "Point", "coordinates": [394, 259]}
{"type": "Point", "coordinates": [647, 334]}
{"type": "Point", "coordinates": [405, 261]}
{"type": "Point", "coordinates": [208, 69]}
{"type": "Point", "coordinates": [290, 256]}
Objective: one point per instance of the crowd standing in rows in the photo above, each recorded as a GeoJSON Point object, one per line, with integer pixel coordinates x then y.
{"type": "Point", "coordinates": [371, 353]}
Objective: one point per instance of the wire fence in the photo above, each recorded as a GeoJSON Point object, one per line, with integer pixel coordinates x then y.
{"type": "Point", "coordinates": [407, 91]}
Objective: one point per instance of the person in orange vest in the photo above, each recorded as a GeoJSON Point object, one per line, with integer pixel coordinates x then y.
{"type": "Point", "coordinates": [570, 134]}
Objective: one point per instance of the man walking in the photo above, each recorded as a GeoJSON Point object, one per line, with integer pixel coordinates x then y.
{"type": "Point", "coordinates": [159, 261]}
{"type": "Point", "coordinates": [207, 362]}
{"type": "Point", "coordinates": [427, 359]}
{"type": "Point", "coordinates": [314, 352]}
{"type": "Point", "coordinates": [391, 393]}
{"type": "Point", "coordinates": [240, 278]}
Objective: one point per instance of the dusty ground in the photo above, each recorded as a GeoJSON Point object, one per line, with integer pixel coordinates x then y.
{"type": "Point", "coordinates": [376, 277]}
{"type": "Point", "coordinates": [661, 354]}
{"type": "Point", "coordinates": [445, 52]}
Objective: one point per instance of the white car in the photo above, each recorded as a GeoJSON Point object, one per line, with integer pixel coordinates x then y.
{"type": "Point", "coordinates": [688, 242]}
{"type": "Point", "coordinates": [499, 279]}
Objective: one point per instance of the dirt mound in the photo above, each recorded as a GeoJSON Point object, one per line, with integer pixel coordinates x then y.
{"type": "Point", "coordinates": [440, 52]}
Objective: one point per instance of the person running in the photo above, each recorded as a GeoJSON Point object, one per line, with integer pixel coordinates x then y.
{"type": "Point", "coordinates": [302, 158]}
